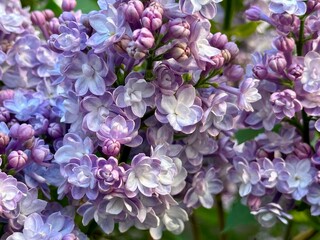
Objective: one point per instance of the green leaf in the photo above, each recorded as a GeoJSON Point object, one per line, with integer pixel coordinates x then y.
{"type": "Point", "coordinates": [240, 218]}
{"type": "Point", "coordinates": [243, 30]}
{"type": "Point", "coordinates": [52, 5]}
{"type": "Point", "coordinates": [244, 135]}
{"type": "Point", "coordinates": [87, 5]}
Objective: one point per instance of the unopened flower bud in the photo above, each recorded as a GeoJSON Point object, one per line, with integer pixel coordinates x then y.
{"type": "Point", "coordinates": [312, 6]}
{"type": "Point", "coordinates": [180, 52]}
{"type": "Point", "coordinates": [151, 19]}
{"type": "Point", "coordinates": [157, 6]}
{"type": "Point", "coordinates": [54, 25]}
{"type": "Point", "coordinates": [178, 28]}
{"type": "Point", "coordinates": [253, 13]}
{"type": "Point", "coordinates": [218, 40]}
{"type": "Point", "coordinates": [133, 10]}
{"type": "Point", "coordinates": [6, 94]}
{"type": "Point", "coordinates": [111, 147]}
{"type": "Point", "coordinates": [218, 61]}
{"type": "Point", "coordinates": [234, 72]}
{"type": "Point", "coordinates": [17, 159]}
{"type": "Point", "coordinates": [143, 38]}
{"type": "Point", "coordinates": [38, 18]}
{"type": "Point", "coordinates": [277, 63]}
{"type": "Point", "coordinates": [48, 14]}
{"type": "Point", "coordinates": [121, 46]}
{"type": "Point", "coordinates": [4, 115]}
{"type": "Point", "coordinates": [232, 48]}
{"type": "Point", "coordinates": [254, 202]}
{"type": "Point", "coordinates": [260, 71]}
{"type": "Point", "coordinates": [226, 55]}
{"type": "Point", "coordinates": [295, 72]}
{"type": "Point", "coordinates": [4, 141]}
{"type": "Point", "coordinates": [284, 44]}
{"type": "Point", "coordinates": [55, 130]}
{"type": "Point", "coordinates": [302, 150]}
{"type": "Point", "coordinates": [68, 5]}
{"type": "Point", "coordinates": [135, 52]}
{"type": "Point", "coordinates": [21, 132]}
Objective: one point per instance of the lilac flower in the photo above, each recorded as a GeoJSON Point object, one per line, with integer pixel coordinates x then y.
{"type": "Point", "coordinates": [109, 174]}
{"type": "Point", "coordinates": [89, 72]}
{"type": "Point", "coordinates": [204, 185]}
{"type": "Point", "coordinates": [297, 7]}
{"type": "Point", "coordinates": [313, 198]}
{"type": "Point", "coordinates": [268, 215]}
{"type": "Point", "coordinates": [73, 146]}
{"type": "Point", "coordinates": [80, 178]}
{"type": "Point", "coordinates": [285, 103]}
{"type": "Point", "coordinates": [98, 110]}
{"type": "Point", "coordinates": [301, 176]}
{"type": "Point", "coordinates": [167, 81]}
{"type": "Point", "coordinates": [23, 105]}
{"type": "Point", "coordinates": [311, 75]}
{"type": "Point", "coordinates": [11, 193]}
{"type": "Point", "coordinates": [120, 130]}
{"type": "Point", "coordinates": [56, 226]}
{"type": "Point", "coordinates": [207, 9]}
{"type": "Point", "coordinates": [181, 111]}
{"type": "Point", "coordinates": [172, 220]}
{"type": "Point", "coordinates": [244, 173]}
{"type": "Point", "coordinates": [135, 94]}
{"type": "Point", "coordinates": [143, 175]}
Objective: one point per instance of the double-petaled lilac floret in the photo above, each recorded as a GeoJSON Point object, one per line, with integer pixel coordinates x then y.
{"type": "Point", "coordinates": [267, 215]}
{"type": "Point", "coordinates": [182, 111]}
{"type": "Point", "coordinates": [119, 130]}
{"type": "Point", "coordinates": [274, 174]}
{"type": "Point", "coordinates": [11, 193]}
{"type": "Point", "coordinates": [285, 103]}
{"type": "Point", "coordinates": [167, 81]}
{"type": "Point", "coordinates": [109, 174]}
{"type": "Point", "coordinates": [73, 146]}
{"type": "Point", "coordinates": [204, 185]}
{"type": "Point", "coordinates": [80, 178]}
{"type": "Point", "coordinates": [311, 74]}
{"type": "Point", "coordinates": [207, 8]}
{"type": "Point", "coordinates": [36, 227]}
{"type": "Point", "coordinates": [301, 175]}
{"type": "Point", "coordinates": [136, 94]}
{"type": "Point", "coordinates": [97, 109]}
{"type": "Point", "coordinates": [297, 7]}
{"type": "Point", "coordinates": [88, 70]}
{"type": "Point", "coordinates": [143, 176]}
{"type": "Point", "coordinates": [247, 174]}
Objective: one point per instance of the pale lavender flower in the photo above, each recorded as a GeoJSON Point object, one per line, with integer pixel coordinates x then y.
{"type": "Point", "coordinates": [167, 81]}
{"type": "Point", "coordinates": [56, 226]}
{"type": "Point", "coordinates": [135, 94]}
{"type": "Point", "coordinates": [204, 185]}
{"type": "Point", "coordinates": [109, 174]}
{"type": "Point", "coordinates": [172, 220]}
{"type": "Point", "coordinates": [73, 147]}
{"type": "Point", "coordinates": [143, 175]}
{"type": "Point", "coordinates": [181, 110]}
{"type": "Point", "coordinates": [80, 178]}
{"type": "Point", "coordinates": [98, 110]}
{"type": "Point", "coordinates": [285, 103]}
{"type": "Point", "coordinates": [207, 9]}
{"type": "Point", "coordinates": [301, 176]}
{"type": "Point", "coordinates": [121, 130]}
{"type": "Point", "coordinates": [313, 198]}
{"type": "Point", "coordinates": [267, 215]}
{"type": "Point", "coordinates": [89, 71]}
{"type": "Point", "coordinates": [247, 174]}
{"type": "Point", "coordinates": [311, 75]}
{"type": "Point", "coordinates": [297, 7]}
{"type": "Point", "coordinates": [11, 193]}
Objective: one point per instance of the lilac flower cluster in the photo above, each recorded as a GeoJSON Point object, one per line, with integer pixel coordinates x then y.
{"type": "Point", "coordinates": [129, 114]}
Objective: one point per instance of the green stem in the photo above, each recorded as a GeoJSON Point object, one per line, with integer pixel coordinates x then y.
{"type": "Point", "coordinates": [306, 234]}
{"type": "Point", "coordinates": [228, 15]}
{"type": "Point", "coordinates": [287, 234]}
{"type": "Point", "coordinates": [221, 218]}
{"type": "Point", "coordinates": [305, 119]}
{"type": "Point", "coordinates": [301, 37]}
{"type": "Point", "coordinates": [195, 227]}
